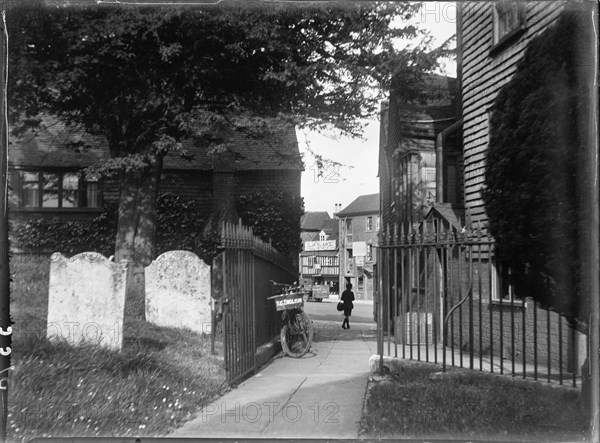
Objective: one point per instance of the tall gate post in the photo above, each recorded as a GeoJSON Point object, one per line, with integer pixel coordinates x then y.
{"type": "Point", "coordinates": [593, 225]}
{"type": "Point", "coordinates": [380, 313]}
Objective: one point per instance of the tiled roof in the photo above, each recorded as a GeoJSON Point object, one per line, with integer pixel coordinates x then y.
{"type": "Point", "coordinates": [332, 227]}
{"type": "Point", "coordinates": [313, 221]}
{"type": "Point", "coordinates": [364, 204]}
{"type": "Point", "coordinates": [434, 110]}
{"type": "Point", "coordinates": [49, 147]}
{"type": "Point", "coordinates": [308, 236]}
{"type": "Point", "coordinates": [455, 216]}
{"type": "Point", "coordinates": [280, 152]}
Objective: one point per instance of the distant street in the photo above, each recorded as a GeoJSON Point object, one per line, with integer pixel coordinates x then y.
{"type": "Point", "coordinates": [328, 321]}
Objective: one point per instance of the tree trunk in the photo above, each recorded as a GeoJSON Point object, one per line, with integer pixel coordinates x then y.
{"type": "Point", "coordinates": [136, 231]}
{"type": "Point", "coordinates": [223, 192]}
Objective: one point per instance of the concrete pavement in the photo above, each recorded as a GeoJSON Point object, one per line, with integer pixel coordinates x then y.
{"type": "Point", "coordinates": [320, 395]}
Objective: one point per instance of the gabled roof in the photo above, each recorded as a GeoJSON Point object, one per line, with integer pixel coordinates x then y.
{"type": "Point", "coordinates": [453, 215]}
{"type": "Point", "coordinates": [308, 236]}
{"type": "Point", "coordinates": [55, 145]}
{"type": "Point", "coordinates": [314, 220]}
{"type": "Point", "coordinates": [364, 204]}
{"type": "Point", "coordinates": [315, 235]}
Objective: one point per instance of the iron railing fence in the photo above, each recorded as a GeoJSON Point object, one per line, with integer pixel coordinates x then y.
{"type": "Point", "coordinates": [247, 264]}
{"type": "Point", "coordinates": [444, 302]}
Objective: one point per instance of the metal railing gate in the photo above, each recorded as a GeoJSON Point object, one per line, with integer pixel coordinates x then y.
{"type": "Point", "coordinates": [245, 267]}
{"type": "Point", "coordinates": [238, 290]}
{"type": "Point", "coordinates": [443, 302]}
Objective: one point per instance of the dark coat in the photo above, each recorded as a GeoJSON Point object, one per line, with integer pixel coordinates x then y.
{"type": "Point", "coordinates": [348, 298]}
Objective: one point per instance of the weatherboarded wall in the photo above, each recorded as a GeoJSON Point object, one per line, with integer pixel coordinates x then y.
{"type": "Point", "coordinates": [487, 67]}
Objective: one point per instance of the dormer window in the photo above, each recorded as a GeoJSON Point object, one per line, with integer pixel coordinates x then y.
{"type": "Point", "coordinates": [322, 236]}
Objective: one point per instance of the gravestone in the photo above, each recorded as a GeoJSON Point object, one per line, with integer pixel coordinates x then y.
{"type": "Point", "coordinates": [86, 300]}
{"type": "Point", "coordinates": [178, 292]}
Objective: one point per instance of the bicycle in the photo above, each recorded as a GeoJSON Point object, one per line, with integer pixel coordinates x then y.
{"type": "Point", "coordinates": [296, 330]}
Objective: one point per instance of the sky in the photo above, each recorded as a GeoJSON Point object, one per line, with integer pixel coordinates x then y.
{"type": "Point", "coordinates": [359, 157]}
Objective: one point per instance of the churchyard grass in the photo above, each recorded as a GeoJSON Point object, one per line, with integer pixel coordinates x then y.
{"type": "Point", "coordinates": [160, 379]}
{"type": "Point", "coordinates": [464, 404]}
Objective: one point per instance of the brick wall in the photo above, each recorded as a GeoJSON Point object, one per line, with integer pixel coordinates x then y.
{"type": "Point", "coordinates": [276, 179]}
{"type": "Point", "coordinates": [522, 329]}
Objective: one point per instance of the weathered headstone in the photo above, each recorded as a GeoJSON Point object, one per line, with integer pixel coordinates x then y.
{"type": "Point", "coordinates": [178, 291]}
{"type": "Point", "coordinates": [86, 299]}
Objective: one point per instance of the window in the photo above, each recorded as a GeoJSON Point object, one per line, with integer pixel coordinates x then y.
{"type": "Point", "coordinates": [361, 284]}
{"type": "Point", "coordinates": [369, 252]}
{"type": "Point", "coordinates": [349, 254]}
{"type": "Point", "coordinates": [329, 261]}
{"type": "Point", "coordinates": [348, 230]}
{"type": "Point", "coordinates": [502, 290]}
{"type": "Point", "coordinates": [428, 175]}
{"type": "Point", "coordinates": [41, 189]}
{"type": "Point", "coordinates": [369, 224]}
{"type": "Point", "coordinates": [508, 20]}
{"type": "Point", "coordinates": [452, 180]}
{"type": "Point", "coordinates": [322, 236]}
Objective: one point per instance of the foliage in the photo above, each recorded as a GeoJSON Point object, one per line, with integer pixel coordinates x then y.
{"type": "Point", "coordinates": [469, 405]}
{"type": "Point", "coordinates": [142, 76]}
{"type": "Point", "coordinates": [534, 185]}
{"type": "Point", "coordinates": [145, 78]}
{"type": "Point", "coordinates": [274, 216]}
{"type": "Point", "coordinates": [179, 227]}
{"type": "Point", "coordinates": [69, 236]}
{"type": "Point", "coordinates": [60, 390]}
{"type": "Point", "coordinates": [160, 378]}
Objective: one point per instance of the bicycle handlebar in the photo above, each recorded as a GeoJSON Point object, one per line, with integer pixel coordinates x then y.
{"type": "Point", "coordinates": [287, 293]}
{"type": "Point", "coordinates": [288, 288]}
{"type": "Point", "coordinates": [274, 283]}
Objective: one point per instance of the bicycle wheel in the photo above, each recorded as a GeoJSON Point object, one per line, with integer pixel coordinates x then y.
{"type": "Point", "coordinates": [297, 335]}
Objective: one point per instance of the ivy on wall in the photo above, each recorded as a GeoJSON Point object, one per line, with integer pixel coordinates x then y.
{"type": "Point", "coordinates": [68, 237]}
{"type": "Point", "coordinates": [274, 215]}
{"type": "Point", "coordinates": [534, 186]}
{"type": "Point", "coordinates": [180, 225]}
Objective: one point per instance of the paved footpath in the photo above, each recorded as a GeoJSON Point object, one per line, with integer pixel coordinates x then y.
{"type": "Point", "coordinates": [317, 396]}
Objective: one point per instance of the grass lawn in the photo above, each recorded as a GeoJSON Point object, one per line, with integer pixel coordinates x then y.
{"type": "Point", "coordinates": [465, 404]}
{"type": "Point", "coordinates": [158, 381]}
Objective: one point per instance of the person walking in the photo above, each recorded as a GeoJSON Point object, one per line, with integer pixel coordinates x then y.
{"type": "Point", "coordinates": [347, 298]}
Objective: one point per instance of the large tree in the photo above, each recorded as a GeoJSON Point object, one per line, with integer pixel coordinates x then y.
{"type": "Point", "coordinates": [144, 78]}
